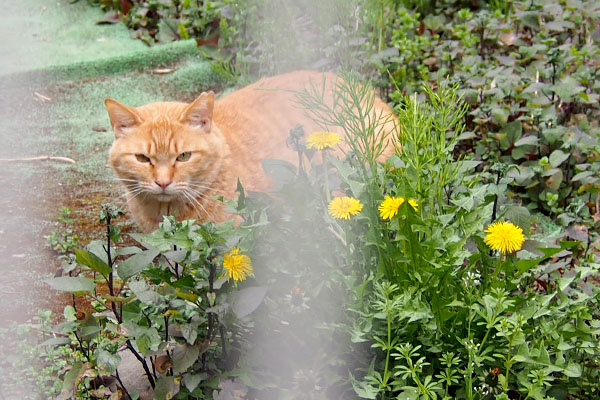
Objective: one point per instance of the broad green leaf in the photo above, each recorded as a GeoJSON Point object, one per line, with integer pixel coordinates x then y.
{"type": "Point", "coordinates": [107, 361]}
{"type": "Point", "coordinates": [184, 357]}
{"type": "Point", "coordinates": [165, 388]}
{"type": "Point", "coordinates": [128, 251]}
{"type": "Point", "coordinates": [89, 259]}
{"type": "Point", "coordinates": [147, 339]}
{"type": "Point", "coordinates": [347, 173]}
{"type": "Point", "coordinates": [136, 264]}
{"type": "Point", "coordinates": [98, 247]}
{"type": "Point", "coordinates": [582, 175]}
{"type": "Point", "coordinates": [466, 202]}
{"type": "Point", "coordinates": [530, 140]}
{"type": "Point", "coordinates": [187, 282]}
{"type": "Point", "coordinates": [520, 216]}
{"type": "Point", "coordinates": [530, 19]}
{"type": "Point", "coordinates": [554, 181]}
{"type": "Point", "coordinates": [191, 381]}
{"type": "Point", "coordinates": [557, 157]}
{"type": "Point", "coordinates": [567, 87]}
{"type": "Point", "coordinates": [500, 115]}
{"type": "Point", "coordinates": [143, 293]}
{"type": "Point", "coordinates": [89, 331]}
{"type": "Point", "coordinates": [72, 379]}
{"type": "Point", "coordinates": [190, 332]}
{"type": "Point", "coordinates": [176, 255]}
{"type": "Point", "coordinates": [573, 370]}
{"type": "Point", "coordinates": [281, 171]}
{"type": "Point", "coordinates": [408, 393]}
{"type": "Point", "coordinates": [72, 284]}
{"type": "Point", "coordinates": [247, 300]}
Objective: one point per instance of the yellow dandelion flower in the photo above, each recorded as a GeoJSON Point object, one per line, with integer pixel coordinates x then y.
{"type": "Point", "coordinates": [389, 207]}
{"type": "Point", "coordinates": [414, 204]}
{"type": "Point", "coordinates": [344, 207]}
{"type": "Point", "coordinates": [323, 140]}
{"type": "Point", "coordinates": [504, 236]}
{"type": "Point", "coordinates": [238, 265]}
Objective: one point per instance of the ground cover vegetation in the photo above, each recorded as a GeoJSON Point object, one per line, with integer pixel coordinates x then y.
{"type": "Point", "coordinates": [463, 267]}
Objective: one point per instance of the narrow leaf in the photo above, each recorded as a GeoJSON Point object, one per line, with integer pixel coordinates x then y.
{"type": "Point", "coordinates": [136, 263]}
{"type": "Point", "coordinates": [72, 284]}
{"type": "Point", "coordinates": [91, 260]}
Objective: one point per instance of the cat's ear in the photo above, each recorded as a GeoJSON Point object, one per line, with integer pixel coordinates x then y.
{"type": "Point", "coordinates": [122, 117]}
{"type": "Point", "coordinates": [199, 113]}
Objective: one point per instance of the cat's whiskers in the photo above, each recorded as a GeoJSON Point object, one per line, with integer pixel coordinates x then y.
{"type": "Point", "coordinates": [204, 188]}
{"type": "Point", "coordinates": [187, 200]}
{"type": "Point", "coordinates": [126, 180]}
{"type": "Point", "coordinates": [194, 200]}
{"type": "Point", "coordinates": [136, 192]}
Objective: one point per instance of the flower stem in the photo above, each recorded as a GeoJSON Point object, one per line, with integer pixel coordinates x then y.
{"type": "Point", "coordinates": [326, 177]}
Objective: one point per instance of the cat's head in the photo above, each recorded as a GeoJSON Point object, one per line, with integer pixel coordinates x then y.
{"type": "Point", "coordinates": [166, 151]}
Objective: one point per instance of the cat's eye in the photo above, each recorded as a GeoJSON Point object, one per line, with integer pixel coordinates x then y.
{"type": "Point", "coordinates": [184, 156]}
{"type": "Point", "coordinates": [142, 158]}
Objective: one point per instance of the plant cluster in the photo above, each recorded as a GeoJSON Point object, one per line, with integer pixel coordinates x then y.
{"type": "Point", "coordinates": [166, 20]}
{"type": "Point", "coordinates": [169, 301]}
{"type": "Point", "coordinates": [528, 70]}
{"type": "Point", "coordinates": [63, 240]}
{"type": "Point", "coordinates": [448, 310]}
{"type": "Point", "coordinates": [412, 279]}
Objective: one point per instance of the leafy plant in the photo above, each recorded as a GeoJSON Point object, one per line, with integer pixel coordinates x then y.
{"type": "Point", "coordinates": [178, 315]}
{"type": "Point", "coordinates": [63, 240]}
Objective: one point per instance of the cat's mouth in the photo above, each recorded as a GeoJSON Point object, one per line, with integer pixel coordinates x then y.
{"type": "Point", "coordinates": [163, 197]}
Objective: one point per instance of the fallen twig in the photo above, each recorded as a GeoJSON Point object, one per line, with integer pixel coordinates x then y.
{"type": "Point", "coordinates": [40, 158]}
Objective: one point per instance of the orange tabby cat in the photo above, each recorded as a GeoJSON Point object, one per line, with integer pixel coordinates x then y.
{"type": "Point", "coordinates": [174, 157]}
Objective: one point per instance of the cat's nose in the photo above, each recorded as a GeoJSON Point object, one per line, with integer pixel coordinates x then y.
{"type": "Point", "coordinates": [163, 183]}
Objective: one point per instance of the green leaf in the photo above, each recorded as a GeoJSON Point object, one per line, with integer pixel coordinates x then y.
{"type": "Point", "coordinates": [190, 332]}
{"type": "Point", "coordinates": [71, 381]}
{"type": "Point", "coordinates": [72, 284]}
{"type": "Point", "coordinates": [582, 175]}
{"type": "Point", "coordinates": [90, 331]}
{"type": "Point", "coordinates": [557, 157]}
{"type": "Point", "coordinates": [282, 172]}
{"type": "Point", "coordinates": [184, 357]}
{"type": "Point", "coordinates": [530, 140]}
{"type": "Point", "coordinates": [147, 339]}
{"type": "Point", "coordinates": [466, 202]}
{"type": "Point", "coordinates": [347, 173]}
{"type": "Point", "coordinates": [567, 87]}
{"type": "Point", "coordinates": [143, 293]}
{"type": "Point", "coordinates": [530, 19]}
{"type": "Point", "coordinates": [520, 216]}
{"type": "Point", "coordinates": [176, 255]}
{"type": "Point", "coordinates": [165, 388]}
{"type": "Point", "coordinates": [91, 260]}
{"type": "Point", "coordinates": [191, 381]}
{"type": "Point", "coordinates": [500, 115]}
{"type": "Point", "coordinates": [128, 251]}
{"type": "Point", "coordinates": [573, 370]}
{"type": "Point", "coordinates": [247, 300]}
{"type": "Point", "coordinates": [97, 247]}
{"type": "Point", "coordinates": [554, 181]}
{"type": "Point", "coordinates": [107, 361]}
{"type": "Point", "coordinates": [136, 264]}
{"type": "Point", "coordinates": [187, 282]}
{"type": "Point", "coordinates": [409, 393]}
